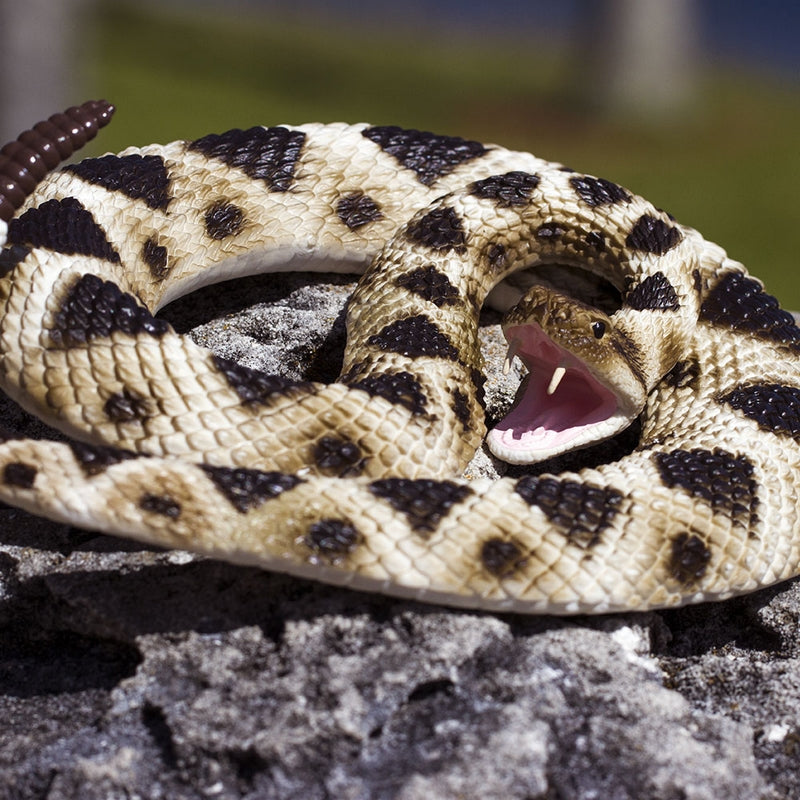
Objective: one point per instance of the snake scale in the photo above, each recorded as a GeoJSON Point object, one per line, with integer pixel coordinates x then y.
{"type": "Point", "coordinates": [359, 482]}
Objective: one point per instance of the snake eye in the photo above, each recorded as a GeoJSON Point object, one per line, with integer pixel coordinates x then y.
{"type": "Point", "coordinates": [598, 329]}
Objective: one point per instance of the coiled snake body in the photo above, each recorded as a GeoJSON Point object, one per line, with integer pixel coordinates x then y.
{"type": "Point", "coordinates": [357, 482]}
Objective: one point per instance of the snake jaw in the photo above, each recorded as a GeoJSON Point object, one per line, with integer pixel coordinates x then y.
{"type": "Point", "coordinates": [561, 405]}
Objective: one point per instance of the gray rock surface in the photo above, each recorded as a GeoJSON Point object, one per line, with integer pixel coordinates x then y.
{"type": "Point", "coordinates": [132, 673]}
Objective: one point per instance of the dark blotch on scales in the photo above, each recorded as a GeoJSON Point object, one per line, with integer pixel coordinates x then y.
{"type": "Point", "coordinates": [689, 558]}
{"type": "Point", "coordinates": [266, 154]}
{"type": "Point", "coordinates": [508, 190]}
{"type": "Point", "coordinates": [94, 308]}
{"type": "Point", "coordinates": [254, 387]}
{"type": "Point", "coordinates": [430, 284]}
{"type": "Point", "coordinates": [333, 538]}
{"type": "Point", "coordinates": [441, 230]}
{"type": "Point", "coordinates": [721, 479]}
{"type": "Point", "coordinates": [19, 474]}
{"type": "Point", "coordinates": [414, 336]}
{"type": "Point", "coordinates": [358, 209]}
{"type": "Point", "coordinates": [654, 292]}
{"type": "Point", "coordinates": [653, 235]}
{"type": "Point", "coordinates": [400, 388]}
{"type": "Point", "coordinates": [429, 155]}
{"type": "Point", "coordinates": [738, 302]}
{"type": "Point", "coordinates": [64, 226]}
{"type": "Point", "coordinates": [136, 176]}
{"type": "Point", "coordinates": [249, 488]}
{"type": "Point", "coordinates": [424, 502]}
{"type": "Point", "coordinates": [501, 558]}
{"type": "Point", "coordinates": [581, 510]}
{"type": "Point", "coordinates": [599, 191]}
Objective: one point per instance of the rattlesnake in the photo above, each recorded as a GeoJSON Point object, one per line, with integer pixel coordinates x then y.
{"type": "Point", "coordinates": [357, 482]}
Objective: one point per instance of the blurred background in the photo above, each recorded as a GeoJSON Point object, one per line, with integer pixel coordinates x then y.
{"type": "Point", "coordinates": [693, 103]}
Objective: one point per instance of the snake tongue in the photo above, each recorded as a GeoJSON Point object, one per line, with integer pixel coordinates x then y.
{"type": "Point", "coordinates": [559, 406]}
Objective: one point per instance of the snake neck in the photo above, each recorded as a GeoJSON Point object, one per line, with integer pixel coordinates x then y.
{"type": "Point", "coordinates": [412, 322]}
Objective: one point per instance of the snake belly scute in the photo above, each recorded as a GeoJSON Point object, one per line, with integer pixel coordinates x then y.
{"type": "Point", "coordinates": [359, 482]}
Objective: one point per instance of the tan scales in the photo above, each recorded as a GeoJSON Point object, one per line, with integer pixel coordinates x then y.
{"type": "Point", "coordinates": [358, 483]}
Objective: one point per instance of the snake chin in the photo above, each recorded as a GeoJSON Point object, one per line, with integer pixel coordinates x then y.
{"type": "Point", "coordinates": [560, 405]}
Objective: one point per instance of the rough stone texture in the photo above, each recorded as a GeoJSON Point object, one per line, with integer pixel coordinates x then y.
{"type": "Point", "coordinates": [132, 673]}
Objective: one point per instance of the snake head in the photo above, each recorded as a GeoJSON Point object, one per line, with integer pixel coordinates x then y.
{"type": "Point", "coordinates": [583, 384]}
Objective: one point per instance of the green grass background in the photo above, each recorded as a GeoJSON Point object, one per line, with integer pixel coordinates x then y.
{"type": "Point", "coordinates": [729, 166]}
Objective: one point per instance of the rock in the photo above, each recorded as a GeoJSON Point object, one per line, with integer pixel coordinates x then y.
{"type": "Point", "coordinates": [128, 672]}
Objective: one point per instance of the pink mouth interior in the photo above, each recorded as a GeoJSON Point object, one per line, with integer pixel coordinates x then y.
{"type": "Point", "coordinates": [541, 424]}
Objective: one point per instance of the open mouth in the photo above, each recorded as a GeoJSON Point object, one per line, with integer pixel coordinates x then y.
{"type": "Point", "coordinates": [560, 406]}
